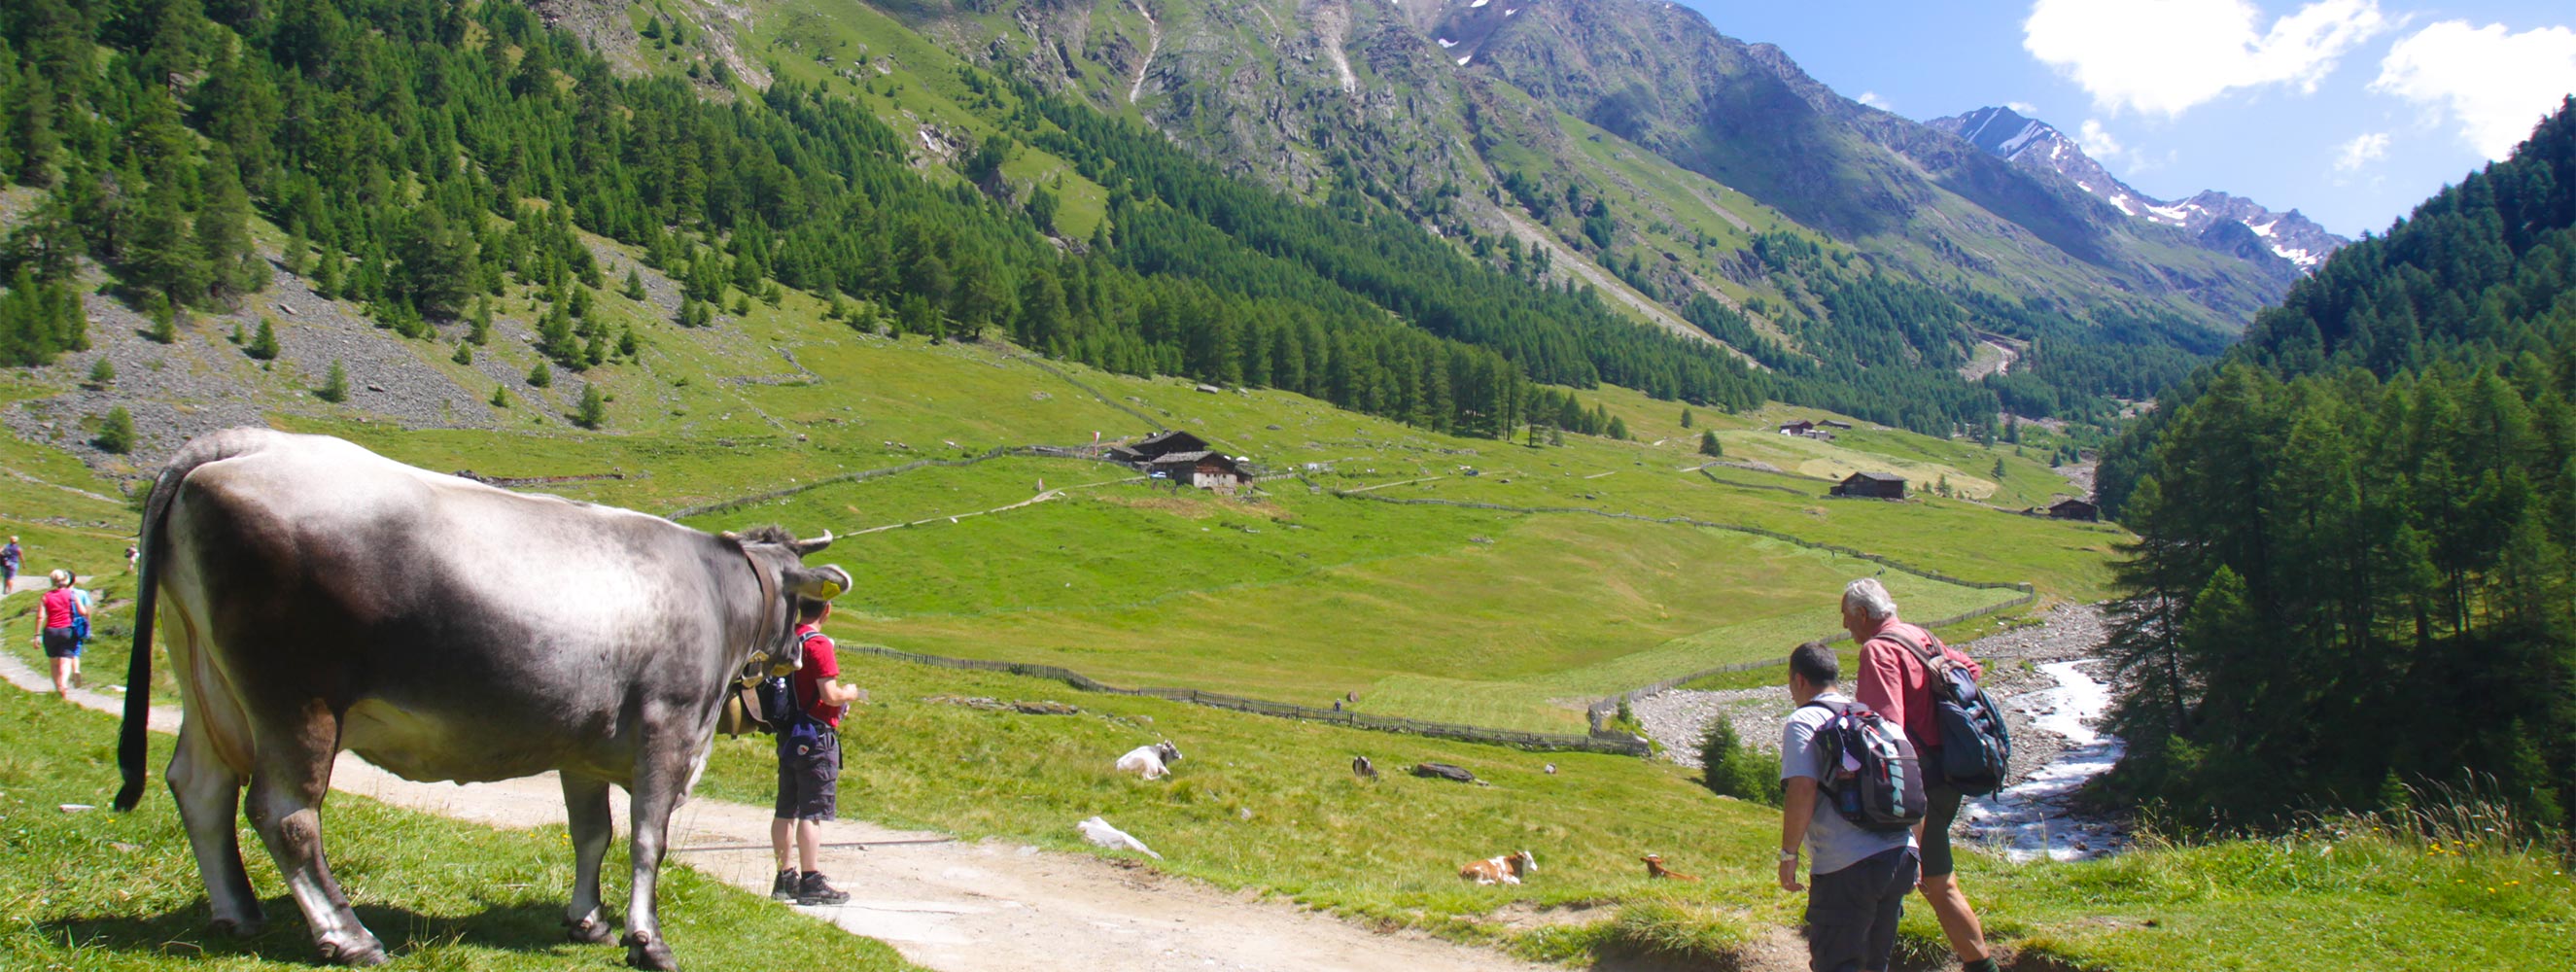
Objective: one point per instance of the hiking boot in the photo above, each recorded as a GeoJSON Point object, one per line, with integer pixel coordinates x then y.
{"type": "Point", "coordinates": [815, 891]}
{"type": "Point", "coordinates": [784, 889]}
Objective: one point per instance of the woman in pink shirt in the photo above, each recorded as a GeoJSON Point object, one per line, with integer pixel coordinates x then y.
{"type": "Point", "coordinates": [55, 615]}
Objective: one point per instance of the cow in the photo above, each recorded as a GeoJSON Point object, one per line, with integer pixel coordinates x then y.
{"type": "Point", "coordinates": [1151, 762]}
{"type": "Point", "coordinates": [320, 597]}
{"type": "Point", "coordinates": [1507, 869]}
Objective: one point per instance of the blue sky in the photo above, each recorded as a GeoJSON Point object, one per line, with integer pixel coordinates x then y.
{"type": "Point", "coordinates": [2351, 111]}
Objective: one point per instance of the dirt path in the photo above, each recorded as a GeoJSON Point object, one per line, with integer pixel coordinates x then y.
{"type": "Point", "coordinates": [949, 905]}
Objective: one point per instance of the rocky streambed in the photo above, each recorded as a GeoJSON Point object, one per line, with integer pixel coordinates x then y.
{"type": "Point", "coordinates": [2047, 682]}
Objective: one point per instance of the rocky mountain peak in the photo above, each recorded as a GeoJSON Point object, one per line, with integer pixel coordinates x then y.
{"type": "Point", "coordinates": [2040, 147]}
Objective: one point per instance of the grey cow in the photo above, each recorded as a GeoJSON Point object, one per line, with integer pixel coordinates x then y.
{"type": "Point", "coordinates": [321, 597]}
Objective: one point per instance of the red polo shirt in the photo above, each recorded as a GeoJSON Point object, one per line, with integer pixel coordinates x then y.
{"type": "Point", "coordinates": [820, 666]}
{"type": "Point", "coordinates": [1894, 683]}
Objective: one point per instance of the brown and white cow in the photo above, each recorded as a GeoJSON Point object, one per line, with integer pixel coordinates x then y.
{"type": "Point", "coordinates": [320, 597]}
{"type": "Point", "coordinates": [1506, 869]}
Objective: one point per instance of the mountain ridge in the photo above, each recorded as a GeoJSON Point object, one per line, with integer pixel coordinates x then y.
{"type": "Point", "coordinates": [2041, 147]}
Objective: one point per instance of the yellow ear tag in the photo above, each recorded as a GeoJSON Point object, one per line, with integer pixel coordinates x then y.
{"type": "Point", "coordinates": [831, 589]}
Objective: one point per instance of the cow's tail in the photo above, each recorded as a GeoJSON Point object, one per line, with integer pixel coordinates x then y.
{"type": "Point", "coordinates": [131, 741]}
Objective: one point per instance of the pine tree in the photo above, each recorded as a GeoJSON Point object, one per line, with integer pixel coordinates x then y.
{"type": "Point", "coordinates": [1999, 468]}
{"type": "Point", "coordinates": [1618, 428]}
{"type": "Point", "coordinates": [103, 373]}
{"type": "Point", "coordinates": [593, 410]}
{"type": "Point", "coordinates": [162, 256]}
{"type": "Point", "coordinates": [165, 320]}
{"type": "Point", "coordinates": [464, 353]}
{"type": "Point", "coordinates": [223, 229]}
{"type": "Point", "coordinates": [635, 284]}
{"type": "Point", "coordinates": [116, 432]}
{"type": "Point", "coordinates": [335, 385]}
{"type": "Point", "coordinates": [500, 397]}
{"type": "Point", "coordinates": [1708, 445]}
{"type": "Point", "coordinates": [540, 376]}
{"type": "Point", "coordinates": [1686, 418]}
{"type": "Point", "coordinates": [263, 344]}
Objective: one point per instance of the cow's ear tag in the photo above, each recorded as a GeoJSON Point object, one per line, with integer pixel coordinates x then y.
{"type": "Point", "coordinates": [831, 589]}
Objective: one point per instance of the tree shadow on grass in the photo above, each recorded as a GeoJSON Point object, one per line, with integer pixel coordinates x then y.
{"type": "Point", "coordinates": [527, 926]}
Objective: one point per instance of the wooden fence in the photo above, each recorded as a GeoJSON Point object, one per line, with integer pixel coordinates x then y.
{"type": "Point", "coordinates": [1598, 741]}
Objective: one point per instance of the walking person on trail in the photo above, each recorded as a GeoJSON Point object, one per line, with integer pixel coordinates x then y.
{"type": "Point", "coordinates": [1895, 684]}
{"type": "Point", "coordinates": [809, 764]}
{"type": "Point", "coordinates": [56, 615]}
{"type": "Point", "coordinates": [10, 558]}
{"type": "Point", "coordinates": [1857, 878]}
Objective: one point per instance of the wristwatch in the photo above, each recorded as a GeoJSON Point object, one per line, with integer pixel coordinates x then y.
{"type": "Point", "coordinates": [1788, 857]}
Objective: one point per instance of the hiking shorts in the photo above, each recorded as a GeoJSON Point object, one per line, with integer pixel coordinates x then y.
{"type": "Point", "coordinates": [59, 643]}
{"type": "Point", "coordinates": [1940, 810]}
{"type": "Point", "coordinates": [809, 775]}
{"type": "Point", "coordinates": [1852, 913]}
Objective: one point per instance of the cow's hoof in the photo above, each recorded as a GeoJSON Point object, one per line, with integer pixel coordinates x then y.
{"type": "Point", "coordinates": [239, 927]}
{"type": "Point", "coordinates": [588, 931]}
{"type": "Point", "coordinates": [363, 952]}
{"type": "Point", "coordinates": [645, 951]}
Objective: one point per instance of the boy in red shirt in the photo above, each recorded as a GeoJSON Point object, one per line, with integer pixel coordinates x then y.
{"type": "Point", "coordinates": [809, 764]}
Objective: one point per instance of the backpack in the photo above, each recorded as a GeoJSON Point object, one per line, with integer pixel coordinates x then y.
{"type": "Point", "coordinates": [779, 711]}
{"type": "Point", "coordinates": [1976, 743]}
{"type": "Point", "coordinates": [1870, 771]}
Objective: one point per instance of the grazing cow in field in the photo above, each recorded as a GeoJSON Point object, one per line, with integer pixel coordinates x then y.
{"type": "Point", "coordinates": [1152, 762]}
{"type": "Point", "coordinates": [1655, 869]}
{"type": "Point", "coordinates": [1360, 766]}
{"type": "Point", "coordinates": [320, 597]}
{"type": "Point", "coordinates": [1506, 869]}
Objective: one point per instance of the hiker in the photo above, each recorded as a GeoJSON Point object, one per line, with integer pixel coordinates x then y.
{"type": "Point", "coordinates": [1894, 683]}
{"type": "Point", "coordinates": [133, 554]}
{"type": "Point", "coordinates": [1856, 877]}
{"type": "Point", "coordinates": [10, 558]}
{"type": "Point", "coordinates": [56, 615]}
{"type": "Point", "coordinates": [809, 764]}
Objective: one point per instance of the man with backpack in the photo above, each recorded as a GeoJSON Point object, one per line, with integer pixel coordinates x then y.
{"type": "Point", "coordinates": [1896, 682]}
{"type": "Point", "coordinates": [1843, 773]}
{"type": "Point", "coordinates": [809, 763]}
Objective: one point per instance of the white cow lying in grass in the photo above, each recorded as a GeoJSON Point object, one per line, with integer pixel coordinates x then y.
{"type": "Point", "coordinates": [1152, 762]}
{"type": "Point", "coordinates": [1507, 869]}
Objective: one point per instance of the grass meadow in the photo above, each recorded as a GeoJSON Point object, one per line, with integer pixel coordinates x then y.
{"type": "Point", "coordinates": [98, 890]}
{"type": "Point", "coordinates": [1272, 806]}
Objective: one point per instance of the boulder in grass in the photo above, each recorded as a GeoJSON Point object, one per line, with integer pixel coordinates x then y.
{"type": "Point", "coordinates": [1444, 771]}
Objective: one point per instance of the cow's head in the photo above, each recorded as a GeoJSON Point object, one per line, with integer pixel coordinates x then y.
{"type": "Point", "coordinates": [780, 557]}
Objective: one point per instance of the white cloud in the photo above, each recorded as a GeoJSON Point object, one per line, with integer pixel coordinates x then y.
{"type": "Point", "coordinates": [2362, 150]}
{"type": "Point", "coordinates": [2098, 143]}
{"type": "Point", "coordinates": [1872, 99]}
{"type": "Point", "coordinates": [2166, 56]}
{"type": "Point", "coordinates": [2023, 108]}
{"type": "Point", "coordinates": [2494, 84]}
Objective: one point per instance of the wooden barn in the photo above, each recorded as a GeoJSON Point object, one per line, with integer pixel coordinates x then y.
{"type": "Point", "coordinates": [1872, 485]}
{"type": "Point", "coordinates": [1799, 427]}
{"type": "Point", "coordinates": [2074, 509]}
{"type": "Point", "coordinates": [1201, 468]}
{"type": "Point", "coordinates": [1144, 451]}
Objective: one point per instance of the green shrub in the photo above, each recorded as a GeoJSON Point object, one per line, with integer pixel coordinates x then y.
{"type": "Point", "coordinates": [335, 386]}
{"type": "Point", "coordinates": [263, 345]}
{"type": "Point", "coordinates": [1729, 768]}
{"type": "Point", "coordinates": [102, 373]}
{"type": "Point", "coordinates": [116, 433]}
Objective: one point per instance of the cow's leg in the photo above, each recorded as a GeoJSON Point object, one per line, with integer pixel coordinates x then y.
{"type": "Point", "coordinates": [586, 810]}
{"type": "Point", "coordinates": [209, 796]}
{"type": "Point", "coordinates": [661, 782]}
{"type": "Point", "coordinates": [286, 791]}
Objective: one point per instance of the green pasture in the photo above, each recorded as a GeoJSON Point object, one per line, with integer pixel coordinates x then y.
{"type": "Point", "coordinates": [94, 889]}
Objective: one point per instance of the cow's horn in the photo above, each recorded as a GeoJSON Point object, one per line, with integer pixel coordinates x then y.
{"type": "Point", "coordinates": [808, 547]}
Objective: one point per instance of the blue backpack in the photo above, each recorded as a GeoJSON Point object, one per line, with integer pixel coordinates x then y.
{"type": "Point", "coordinates": [1870, 772]}
{"type": "Point", "coordinates": [780, 712]}
{"type": "Point", "coordinates": [1976, 743]}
